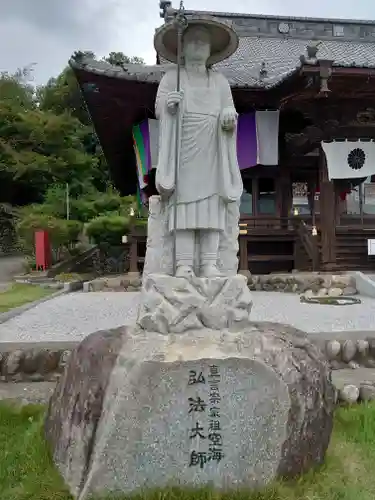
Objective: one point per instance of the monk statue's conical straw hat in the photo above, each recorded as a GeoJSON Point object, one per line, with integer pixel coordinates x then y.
{"type": "Point", "coordinates": [224, 40]}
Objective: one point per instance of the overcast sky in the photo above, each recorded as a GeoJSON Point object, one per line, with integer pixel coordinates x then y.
{"type": "Point", "coordinates": [47, 32]}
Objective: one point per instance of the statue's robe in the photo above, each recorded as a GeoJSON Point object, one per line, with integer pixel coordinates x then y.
{"type": "Point", "coordinates": [208, 176]}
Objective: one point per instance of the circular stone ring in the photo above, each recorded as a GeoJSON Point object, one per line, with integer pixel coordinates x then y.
{"type": "Point", "coordinates": [331, 301]}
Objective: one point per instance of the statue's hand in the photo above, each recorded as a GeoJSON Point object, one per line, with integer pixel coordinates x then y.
{"type": "Point", "coordinates": [228, 119]}
{"type": "Point", "coordinates": [165, 194]}
{"type": "Point", "coordinates": [173, 100]}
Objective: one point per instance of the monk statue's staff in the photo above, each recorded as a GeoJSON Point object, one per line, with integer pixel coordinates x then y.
{"type": "Point", "coordinates": [181, 24]}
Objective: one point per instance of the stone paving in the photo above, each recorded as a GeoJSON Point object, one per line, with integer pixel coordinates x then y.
{"type": "Point", "coordinates": [71, 317]}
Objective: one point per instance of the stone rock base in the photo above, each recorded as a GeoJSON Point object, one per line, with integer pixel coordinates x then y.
{"type": "Point", "coordinates": [137, 410]}
{"type": "Point", "coordinates": [308, 283]}
{"type": "Point", "coordinates": [174, 305]}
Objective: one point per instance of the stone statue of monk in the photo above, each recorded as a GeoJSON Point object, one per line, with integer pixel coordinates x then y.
{"type": "Point", "coordinates": [208, 176]}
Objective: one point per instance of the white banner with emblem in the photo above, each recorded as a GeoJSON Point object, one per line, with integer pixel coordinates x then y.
{"type": "Point", "coordinates": [349, 159]}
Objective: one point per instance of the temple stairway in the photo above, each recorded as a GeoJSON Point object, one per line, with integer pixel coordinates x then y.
{"type": "Point", "coordinates": [351, 248]}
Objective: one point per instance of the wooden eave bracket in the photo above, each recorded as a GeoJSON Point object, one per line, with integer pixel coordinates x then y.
{"type": "Point", "coordinates": [321, 68]}
{"type": "Point", "coordinates": [325, 73]}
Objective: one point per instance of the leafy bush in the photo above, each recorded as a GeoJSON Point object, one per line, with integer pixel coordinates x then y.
{"type": "Point", "coordinates": [29, 264]}
{"type": "Point", "coordinates": [108, 229]}
{"type": "Point", "coordinates": [62, 233]}
{"type": "Point", "coordinates": [68, 277]}
{"type": "Point", "coordinates": [83, 206]}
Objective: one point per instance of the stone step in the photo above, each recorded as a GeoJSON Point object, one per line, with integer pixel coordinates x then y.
{"type": "Point", "coordinates": [269, 258]}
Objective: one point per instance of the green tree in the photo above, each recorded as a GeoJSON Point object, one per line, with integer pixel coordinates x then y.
{"type": "Point", "coordinates": [16, 89]}
{"type": "Point", "coordinates": [47, 138]}
{"type": "Point", "coordinates": [120, 59]}
{"type": "Point", "coordinates": [39, 148]}
{"type": "Point", "coordinates": [63, 94]}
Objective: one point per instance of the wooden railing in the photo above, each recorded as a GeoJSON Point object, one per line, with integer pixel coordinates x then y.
{"type": "Point", "coordinates": [310, 244]}
{"type": "Point", "coordinates": [356, 221]}
{"type": "Point", "coordinates": [266, 222]}
{"type": "Point", "coordinates": [273, 222]}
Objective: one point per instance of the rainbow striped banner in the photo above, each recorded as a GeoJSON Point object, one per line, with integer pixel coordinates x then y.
{"type": "Point", "coordinates": [141, 155]}
{"type": "Point", "coordinates": [146, 143]}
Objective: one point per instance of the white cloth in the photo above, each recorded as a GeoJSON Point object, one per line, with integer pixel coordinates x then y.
{"type": "Point", "coordinates": [209, 213]}
{"type": "Point", "coordinates": [198, 173]}
{"type": "Point", "coordinates": [344, 155]}
{"type": "Point", "coordinates": [267, 126]}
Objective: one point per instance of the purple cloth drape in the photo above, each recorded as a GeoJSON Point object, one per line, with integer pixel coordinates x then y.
{"type": "Point", "coordinates": [246, 141]}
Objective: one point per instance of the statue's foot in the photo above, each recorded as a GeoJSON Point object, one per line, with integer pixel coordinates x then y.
{"type": "Point", "coordinates": [211, 271]}
{"type": "Point", "coordinates": [184, 272]}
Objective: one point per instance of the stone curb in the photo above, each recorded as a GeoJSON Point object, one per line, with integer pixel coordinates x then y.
{"type": "Point", "coordinates": [364, 284]}
{"type": "Point", "coordinates": [349, 353]}
{"type": "Point", "coordinates": [340, 352]}
{"type": "Point", "coordinates": [40, 361]}
{"type": "Point", "coordinates": [16, 311]}
{"type": "Point", "coordinates": [73, 286]}
{"type": "Point", "coordinates": [309, 284]}
{"type": "Point", "coordinates": [347, 349]}
{"type": "Point", "coordinates": [34, 362]}
{"type": "Point", "coordinates": [121, 283]}
{"type": "Point", "coordinates": [343, 353]}
{"type": "Point", "coordinates": [351, 394]}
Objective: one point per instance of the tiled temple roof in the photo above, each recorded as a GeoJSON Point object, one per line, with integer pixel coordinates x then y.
{"type": "Point", "coordinates": [278, 57]}
{"type": "Point", "coordinates": [265, 57]}
{"type": "Point", "coordinates": [281, 58]}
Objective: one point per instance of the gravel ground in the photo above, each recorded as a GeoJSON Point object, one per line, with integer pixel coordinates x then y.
{"type": "Point", "coordinates": [71, 317]}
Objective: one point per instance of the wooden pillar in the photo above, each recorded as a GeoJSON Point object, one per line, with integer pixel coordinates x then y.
{"type": "Point", "coordinates": [243, 257]}
{"type": "Point", "coordinates": [328, 208]}
{"type": "Point", "coordinates": [133, 258]}
{"type": "Point", "coordinates": [133, 252]}
{"type": "Point", "coordinates": [285, 197]}
{"type": "Point", "coordinates": [255, 187]}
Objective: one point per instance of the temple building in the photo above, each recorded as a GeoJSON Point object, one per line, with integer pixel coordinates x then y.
{"type": "Point", "coordinates": [305, 93]}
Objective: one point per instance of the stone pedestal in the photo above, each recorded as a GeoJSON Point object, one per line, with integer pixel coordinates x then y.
{"type": "Point", "coordinates": [232, 409]}
{"type": "Point", "coordinates": [175, 305]}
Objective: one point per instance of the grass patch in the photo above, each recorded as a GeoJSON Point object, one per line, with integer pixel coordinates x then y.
{"type": "Point", "coordinates": [20, 294]}
{"type": "Point", "coordinates": [27, 473]}
{"type": "Point", "coordinates": [26, 470]}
